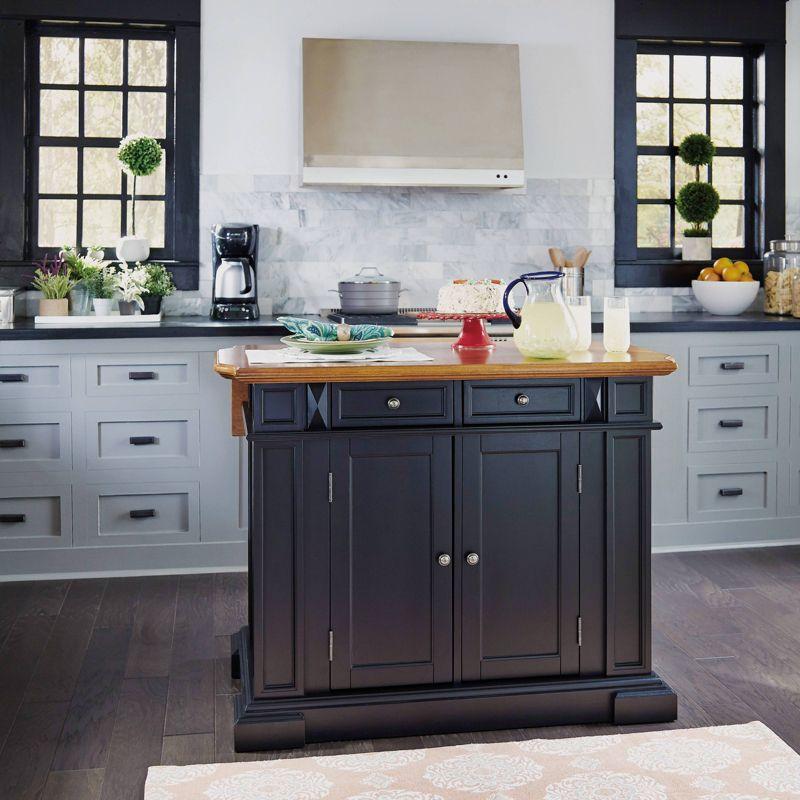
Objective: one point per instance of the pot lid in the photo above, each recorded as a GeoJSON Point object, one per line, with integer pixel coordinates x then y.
{"type": "Point", "coordinates": [369, 275]}
{"type": "Point", "coordinates": [785, 245]}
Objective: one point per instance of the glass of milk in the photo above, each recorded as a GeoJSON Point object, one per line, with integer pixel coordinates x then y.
{"type": "Point", "coordinates": [616, 325]}
{"type": "Point", "coordinates": [581, 310]}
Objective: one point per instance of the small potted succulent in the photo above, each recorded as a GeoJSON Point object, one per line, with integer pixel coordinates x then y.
{"type": "Point", "coordinates": [100, 284]}
{"type": "Point", "coordinates": [697, 202]}
{"type": "Point", "coordinates": [80, 297]}
{"type": "Point", "coordinates": [139, 156]}
{"type": "Point", "coordinates": [159, 284]}
{"type": "Point", "coordinates": [52, 279]}
{"type": "Point", "coordinates": [130, 283]}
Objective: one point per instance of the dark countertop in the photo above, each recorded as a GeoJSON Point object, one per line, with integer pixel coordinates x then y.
{"type": "Point", "coordinates": [654, 322]}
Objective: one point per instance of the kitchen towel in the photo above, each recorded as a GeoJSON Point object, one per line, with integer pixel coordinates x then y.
{"type": "Point", "coordinates": [290, 355]}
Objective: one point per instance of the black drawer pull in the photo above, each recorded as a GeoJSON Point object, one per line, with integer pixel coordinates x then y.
{"type": "Point", "coordinates": [10, 444]}
{"type": "Point", "coordinates": [142, 513]}
{"type": "Point", "coordinates": [731, 492]}
{"type": "Point", "coordinates": [14, 377]}
{"type": "Point", "coordinates": [9, 518]}
{"type": "Point", "coordinates": [139, 440]}
{"type": "Point", "coordinates": [142, 376]}
{"type": "Point", "coordinates": [731, 423]}
{"type": "Point", "coordinates": [732, 365]}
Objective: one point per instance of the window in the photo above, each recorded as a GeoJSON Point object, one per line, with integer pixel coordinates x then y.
{"type": "Point", "coordinates": [682, 90]}
{"type": "Point", "coordinates": [89, 88]}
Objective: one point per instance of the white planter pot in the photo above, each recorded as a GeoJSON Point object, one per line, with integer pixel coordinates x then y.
{"type": "Point", "coordinates": [102, 308]}
{"type": "Point", "coordinates": [133, 249]}
{"type": "Point", "coordinates": [696, 248]}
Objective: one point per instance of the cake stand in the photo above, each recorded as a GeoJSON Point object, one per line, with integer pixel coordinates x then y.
{"type": "Point", "coordinates": [473, 334]}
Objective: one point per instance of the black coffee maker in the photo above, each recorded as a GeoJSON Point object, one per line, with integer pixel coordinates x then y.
{"type": "Point", "coordinates": [234, 251]}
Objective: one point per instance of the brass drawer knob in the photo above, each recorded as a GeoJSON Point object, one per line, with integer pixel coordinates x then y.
{"type": "Point", "coordinates": [522, 399]}
{"type": "Point", "coordinates": [473, 559]}
{"type": "Point", "coordinates": [444, 560]}
{"type": "Point", "coordinates": [393, 403]}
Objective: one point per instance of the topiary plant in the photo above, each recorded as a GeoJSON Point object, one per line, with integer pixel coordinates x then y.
{"type": "Point", "coordinates": [139, 156]}
{"type": "Point", "coordinates": [697, 202]}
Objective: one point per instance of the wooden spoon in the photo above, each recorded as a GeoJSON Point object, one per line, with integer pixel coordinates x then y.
{"type": "Point", "coordinates": [581, 257]}
{"type": "Point", "coordinates": [557, 257]}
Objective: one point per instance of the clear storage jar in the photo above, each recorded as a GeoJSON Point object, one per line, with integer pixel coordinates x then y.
{"type": "Point", "coordinates": [781, 268]}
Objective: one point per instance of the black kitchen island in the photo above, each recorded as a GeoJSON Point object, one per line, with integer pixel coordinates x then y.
{"type": "Point", "coordinates": [454, 545]}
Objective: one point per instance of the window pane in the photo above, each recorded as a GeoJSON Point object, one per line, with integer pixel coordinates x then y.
{"type": "Point", "coordinates": [684, 174]}
{"type": "Point", "coordinates": [653, 177]}
{"type": "Point", "coordinates": [147, 114]}
{"type": "Point", "coordinates": [728, 227]}
{"type": "Point", "coordinates": [689, 76]}
{"type": "Point", "coordinates": [652, 226]}
{"type": "Point", "coordinates": [729, 177]}
{"type": "Point", "coordinates": [149, 220]}
{"type": "Point", "coordinates": [727, 125]}
{"type": "Point", "coordinates": [727, 77]}
{"type": "Point", "coordinates": [147, 63]}
{"type": "Point", "coordinates": [687, 118]}
{"type": "Point", "coordinates": [58, 112]}
{"type": "Point", "coordinates": [103, 61]}
{"type": "Point", "coordinates": [58, 60]}
{"type": "Point", "coordinates": [58, 170]}
{"type": "Point", "coordinates": [101, 171]}
{"type": "Point", "coordinates": [652, 75]}
{"type": "Point", "coordinates": [152, 184]}
{"type": "Point", "coordinates": [103, 114]}
{"type": "Point", "coordinates": [57, 222]}
{"type": "Point", "coordinates": [101, 222]}
{"type": "Point", "coordinates": [652, 123]}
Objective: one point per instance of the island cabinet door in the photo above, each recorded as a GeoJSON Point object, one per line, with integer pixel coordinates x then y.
{"type": "Point", "coordinates": [519, 559]}
{"type": "Point", "coordinates": [391, 568]}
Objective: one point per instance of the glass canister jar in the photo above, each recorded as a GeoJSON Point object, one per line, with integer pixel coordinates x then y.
{"type": "Point", "coordinates": [781, 268]}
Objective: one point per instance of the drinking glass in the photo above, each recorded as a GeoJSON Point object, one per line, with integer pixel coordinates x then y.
{"type": "Point", "coordinates": [581, 309]}
{"type": "Point", "coordinates": [616, 325]}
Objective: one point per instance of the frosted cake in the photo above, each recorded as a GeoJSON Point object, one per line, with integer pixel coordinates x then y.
{"type": "Point", "coordinates": [462, 296]}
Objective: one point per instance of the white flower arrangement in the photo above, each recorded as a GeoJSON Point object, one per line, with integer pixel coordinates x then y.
{"type": "Point", "coordinates": [130, 283]}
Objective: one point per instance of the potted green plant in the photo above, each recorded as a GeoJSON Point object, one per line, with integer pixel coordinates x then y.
{"type": "Point", "coordinates": [139, 156]}
{"type": "Point", "coordinates": [159, 284]}
{"type": "Point", "coordinates": [52, 279]}
{"type": "Point", "coordinates": [698, 201]}
{"type": "Point", "coordinates": [101, 284]}
{"type": "Point", "coordinates": [79, 266]}
{"type": "Point", "coordinates": [129, 283]}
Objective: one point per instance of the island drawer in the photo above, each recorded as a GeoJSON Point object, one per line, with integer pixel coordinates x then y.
{"type": "Point", "coordinates": [493, 402]}
{"type": "Point", "coordinates": [34, 518]}
{"type": "Point", "coordinates": [166, 373]}
{"type": "Point", "coordinates": [720, 492]}
{"type": "Point", "coordinates": [34, 377]}
{"type": "Point", "coordinates": [39, 442]}
{"type": "Point", "coordinates": [361, 405]}
{"type": "Point", "coordinates": [733, 366]}
{"type": "Point", "coordinates": [733, 423]}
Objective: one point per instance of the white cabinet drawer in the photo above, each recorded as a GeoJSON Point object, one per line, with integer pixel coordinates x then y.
{"type": "Point", "coordinates": [139, 375]}
{"type": "Point", "coordinates": [721, 492]}
{"type": "Point", "coordinates": [143, 513]}
{"type": "Point", "coordinates": [35, 442]}
{"type": "Point", "coordinates": [733, 423]}
{"type": "Point", "coordinates": [34, 377]}
{"type": "Point", "coordinates": [733, 366]}
{"type": "Point", "coordinates": [35, 518]}
{"type": "Point", "coordinates": [146, 439]}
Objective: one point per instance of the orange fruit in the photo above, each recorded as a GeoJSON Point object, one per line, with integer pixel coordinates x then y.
{"type": "Point", "coordinates": [731, 273]}
{"type": "Point", "coordinates": [746, 277]}
{"type": "Point", "coordinates": [721, 263]}
{"type": "Point", "coordinates": [743, 267]}
{"type": "Point", "coordinates": [706, 273]}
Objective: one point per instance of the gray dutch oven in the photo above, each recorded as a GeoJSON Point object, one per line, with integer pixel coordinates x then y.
{"type": "Point", "coordinates": [369, 292]}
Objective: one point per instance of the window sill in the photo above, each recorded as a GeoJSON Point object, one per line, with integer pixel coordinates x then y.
{"type": "Point", "coordinates": [666, 273]}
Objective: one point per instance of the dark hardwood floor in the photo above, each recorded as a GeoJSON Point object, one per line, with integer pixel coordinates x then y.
{"type": "Point", "coordinates": [101, 678]}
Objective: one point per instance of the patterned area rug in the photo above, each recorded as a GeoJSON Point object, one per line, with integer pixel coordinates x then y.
{"type": "Point", "coordinates": [735, 762]}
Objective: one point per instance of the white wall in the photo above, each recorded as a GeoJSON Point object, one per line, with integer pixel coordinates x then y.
{"type": "Point", "coordinates": [251, 73]}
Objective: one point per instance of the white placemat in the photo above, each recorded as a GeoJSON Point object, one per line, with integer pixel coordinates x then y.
{"type": "Point", "coordinates": [289, 355]}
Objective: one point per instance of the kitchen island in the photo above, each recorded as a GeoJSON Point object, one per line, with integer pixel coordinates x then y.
{"type": "Point", "coordinates": [450, 545]}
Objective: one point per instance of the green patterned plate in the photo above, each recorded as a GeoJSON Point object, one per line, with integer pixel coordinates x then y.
{"type": "Point", "coordinates": [332, 348]}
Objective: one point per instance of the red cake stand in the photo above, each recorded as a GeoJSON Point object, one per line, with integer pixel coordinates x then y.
{"type": "Point", "coordinates": [473, 334]}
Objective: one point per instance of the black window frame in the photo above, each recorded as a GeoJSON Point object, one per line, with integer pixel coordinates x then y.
{"type": "Point", "coordinates": [20, 20]}
{"type": "Point", "coordinates": [755, 28]}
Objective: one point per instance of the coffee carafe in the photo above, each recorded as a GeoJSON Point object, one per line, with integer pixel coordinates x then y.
{"type": "Point", "coordinates": [234, 251]}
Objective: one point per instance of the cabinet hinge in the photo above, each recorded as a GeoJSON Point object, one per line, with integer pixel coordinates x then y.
{"type": "Point", "coordinates": [330, 645]}
{"type": "Point", "coordinates": [580, 478]}
{"type": "Point", "coordinates": [580, 632]}
{"type": "Point", "coordinates": [330, 487]}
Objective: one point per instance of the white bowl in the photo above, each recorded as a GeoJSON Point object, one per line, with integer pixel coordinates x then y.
{"type": "Point", "coordinates": [726, 298]}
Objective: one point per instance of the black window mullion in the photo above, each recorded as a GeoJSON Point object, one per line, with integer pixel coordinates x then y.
{"type": "Point", "coordinates": [124, 184]}
{"type": "Point", "coordinates": [81, 136]}
{"type": "Point", "coordinates": [169, 153]}
{"type": "Point", "coordinates": [672, 212]}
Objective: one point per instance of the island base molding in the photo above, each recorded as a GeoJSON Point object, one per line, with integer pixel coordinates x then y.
{"type": "Point", "coordinates": [276, 724]}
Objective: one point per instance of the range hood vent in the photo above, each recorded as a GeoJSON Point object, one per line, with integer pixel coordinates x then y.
{"type": "Point", "coordinates": [411, 113]}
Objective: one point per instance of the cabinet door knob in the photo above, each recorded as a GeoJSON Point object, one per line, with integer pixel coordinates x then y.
{"type": "Point", "coordinates": [444, 560]}
{"type": "Point", "coordinates": [522, 399]}
{"type": "Point", "coordinates": [393, 403]}
{"type": "Point", "coordinates": [473, 559]}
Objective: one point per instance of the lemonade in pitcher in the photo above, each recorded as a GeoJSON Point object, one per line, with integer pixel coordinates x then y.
{"type": "Point", "coordinates": [544, 328]}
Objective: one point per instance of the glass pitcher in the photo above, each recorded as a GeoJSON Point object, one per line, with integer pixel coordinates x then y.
{"type": "Point", "coordinates": [544, 328]}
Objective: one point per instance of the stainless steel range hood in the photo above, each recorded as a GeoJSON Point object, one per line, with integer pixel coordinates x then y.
{"type": "Point", "coordinates": [411, 113]}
